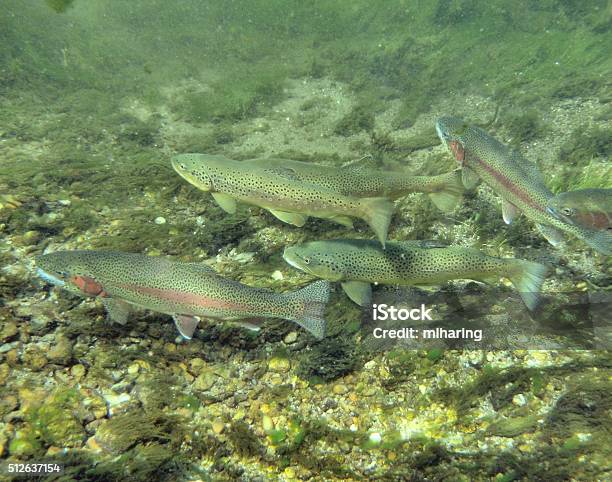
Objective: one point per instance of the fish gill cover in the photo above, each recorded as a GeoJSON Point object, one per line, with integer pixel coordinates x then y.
{"type": "Point", "coordinates": [97, 96]}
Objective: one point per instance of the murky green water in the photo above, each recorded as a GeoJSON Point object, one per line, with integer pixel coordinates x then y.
{"type": "Point", "coordinates": [95, 99]}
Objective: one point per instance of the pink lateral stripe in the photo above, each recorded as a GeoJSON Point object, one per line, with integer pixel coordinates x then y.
{"type": "Point", "coordinates": [513, 188]}
{"type": "Point", "coordinates": [189, 298]}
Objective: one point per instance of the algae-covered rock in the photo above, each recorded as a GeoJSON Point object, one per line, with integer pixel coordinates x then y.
{"type": "Point", "coordinates": [61, 351]}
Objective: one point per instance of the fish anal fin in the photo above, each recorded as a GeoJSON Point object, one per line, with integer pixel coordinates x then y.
{"type": "Point", "coordinates": [225, 202]}
{"type": "Point", "coordinates": [358, 291]}
{"type": "Point", "coordinates": [509, 211]}
{"type": "Point", "coordinates": [296, 219]}
{"type": "Point", "coordinates": [186, 325]}
{"type": "Point", "coordinates": [553, 235]}
{"type": "Point", "coordinates": [117, 310]}
{"type": "Point", "coordinates": [469, 178]}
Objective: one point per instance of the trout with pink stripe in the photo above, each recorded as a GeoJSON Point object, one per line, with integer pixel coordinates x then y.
{"type": "Point", "coordinates": [187, 291]}
{"type": "Point", "coordinates": [514, 178]}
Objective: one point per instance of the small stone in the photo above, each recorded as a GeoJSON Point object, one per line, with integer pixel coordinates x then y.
{"type": "Point", "coordinates": [160, 220]}
{"type": "Point", "coordinates": [78, 371]}
{"type": "Point", "coordinates": [8, 403]}
{"type": "Point", "coordinates": [340, 389]}
{"type": "Point", "coordinates": [61, 351]}
{"type": "Point", "coordinates": [277, 275]}
{"type": "Point", "coordinates": [204, 381]}
{"type": "Point", "coordinates": [291, 337]}
{"type": "Point", "coordinates": [5, 370]}
{"type": "Point", "coordinates": [93, 445]}
{"type": "Point", "coordinates": [9, 331]}
{"type": "Point", "coordinates": [34, 358]}
{"type": "Point", "coordinates": [218, 426]}
{"type": "Point", "coordinates": [278, 364]}
{"type": "Point", "coordinates": [519, 400]}
{"type": "Point", "coordinates": [196, 365]}
{"type": "Point", "coordinates": [133, 369]}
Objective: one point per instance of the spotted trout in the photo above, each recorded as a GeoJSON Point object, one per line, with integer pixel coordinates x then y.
{"type": "Point", "coordinates": [186, 291]}
{"type": "Point", "coordinates": [444, 190]}
{"type": "Point", "coordinates": [514, 178]}
{"type": "Point", "coordinates": [290, 200]}
{"type": "Point", "coordinates": [357, 263]}
{"type": "Point", "coordinates": [589, 208]}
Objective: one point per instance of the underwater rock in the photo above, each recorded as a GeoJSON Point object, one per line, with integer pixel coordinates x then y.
{"type": "Point", "coordinates": [61, 351]}
{"type": "Point", "coordinates": [8, 331]}
{"type": "Point", "coordinates": [34, 358]}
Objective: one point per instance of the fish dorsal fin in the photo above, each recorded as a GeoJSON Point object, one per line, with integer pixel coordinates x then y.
{"type": "Point", "coordinates": [469, 178]}
{"type": "Point", "coordinates": [509, 211]}
{"type": "Point", "coordinates": [424, 243]}
{"type": "Point", "coordinates": [358, 291]}
{"type": "Point", "coordinates": [296, 219]}
{"type": "Point", "coordinates": [117, 310]}
{"type": "Point", "coordinates": [186, 325]}
{"type": "Point", "coordinates": [225, 202]}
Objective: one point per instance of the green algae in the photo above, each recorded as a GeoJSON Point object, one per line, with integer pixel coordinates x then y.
{"type": "Point", "coordinates": [55, 422]}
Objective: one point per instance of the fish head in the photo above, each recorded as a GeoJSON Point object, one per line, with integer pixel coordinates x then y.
{"type": "Point", "coordinates": [452, 132]}
{"type": "Point", "coordinates": [70, 270]}
{"type": "Point", "coordinates": [316, 259]}
{"type": "Point", "coordinates": [197, 169]}
{"type": "Point", "coordinates": [562, 208]}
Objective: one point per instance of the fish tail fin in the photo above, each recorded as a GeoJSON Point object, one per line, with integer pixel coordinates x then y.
{"type": "Point", "coordinates": [313, 300]}
{"type": "Point", "coordinates": [449, 193]}
{"type": "Point", "coordinates": [600, 241]}
{"type": "Point", "coordinates": [378, 212]}
{"type": "Point", "coordinates": [528, 277]}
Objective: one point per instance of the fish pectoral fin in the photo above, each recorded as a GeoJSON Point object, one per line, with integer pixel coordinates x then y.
{"type": "Point", "coordinates": [296, 219]}
{"type": "Point", "coordinates": [343, 220]}
{"type": "Point", "coordinates": [469, 178]}
{"type": "Point", "coordinates": [225, 202]}
{"type": "Point", "coordinates": [117, 310]}
{"type": "Point", "coordinates": [186, 325]}
{"type": "Point", "coordinates": [358, 291]}
{"type": "Point", "coordinates": [509, 211]}
{"type": "Point", "coordinates": [553, 235]}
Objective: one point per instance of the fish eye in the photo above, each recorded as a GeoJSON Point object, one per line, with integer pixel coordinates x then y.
{"type": "Point", "coordinates": [183, 166]}
{"type": "Point", "coordinates": [307, 260]}
{"type": "Point", "coordinates": [567, 211]}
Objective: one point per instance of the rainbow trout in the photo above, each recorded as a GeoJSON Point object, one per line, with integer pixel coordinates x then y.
{"type": "Point", "coordinates": [356, 263]}
{"type": "Point", "coordinates": [187, 291]}
{"type": "Point", "coordinates": [444, 190]}
{"type": "Point", "coordinates": [514, 178]}
{"type": "Point", "coordinates": [588, 208]}
{"type": "Point", "coordinates": [288, 199]}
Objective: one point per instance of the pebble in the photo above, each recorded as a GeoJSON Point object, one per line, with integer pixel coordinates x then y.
{"type": "Point", "coordinates": [519, 399]}
{"type": "Point", "coordinates": [291, 337]}
{"type": "Point", "coordinates": [218, 426]}
{"type": "Point", "coordinates": [279, 364]}
{"type": "Point", "coordinates": [133, 369]}
{"type": "Point", "coordinates": [268, 424]}
{"type": "Point", "coordinates": [61, 351]}
{"type": "Point", "coordinates": [9, 331]}
{"type": "Point", "coordinates": [340, 389]}
{"type": "Point", "coordinates": [277, 275]}
{"type": "Point", "coordinates": [160, 220]}
{"type": "Point", "coordinates": [34, 358]}
{"type": "Point", "coordinates": [204, 381]}
{"type": "Point", "coordinates": [78, 371]}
